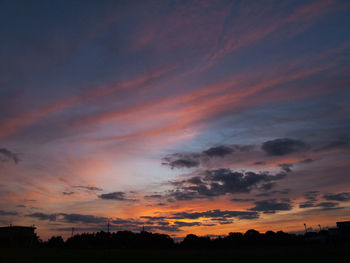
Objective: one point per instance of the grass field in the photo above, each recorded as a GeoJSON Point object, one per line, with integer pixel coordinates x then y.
{"type": "Point", "coordinates": [281, 254]}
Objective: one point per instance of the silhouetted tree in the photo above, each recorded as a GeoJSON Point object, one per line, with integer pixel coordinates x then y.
{"type": "Point", "coordinates": [56, 242]}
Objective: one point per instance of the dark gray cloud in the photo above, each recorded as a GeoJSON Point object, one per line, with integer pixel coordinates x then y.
{"type": "Point", "coordinates": [86, 219]}
{"type": "Point", "coordinates": [155, 196]}
{"type": "Point", "coordinates": [267, 186]}
{"type": "Point", "coordinates": [183, 163]}
{"type": "Point", "coordinates": [308, 160]}
{"type": "Point", "coordinates": [190, 160]}
{"type": "Point", "coordinates": [185, 224]}
{"type": "Point", "coordinates": [220, 182]}
{"type": "Point", "coordinates": [343, 142]}
{"type": "Point", "coordinates": [119, 196]}
{"type": "Point", "coordinates": [7, 155]}
{"type": "Point", "coordinates": [181, 160]}
{"type": "Point", "coordinates": [89, 188]}
{"type": "Point", "coordinates": [286, 167]}
{"type": "Point", "coordinates": [284, 146]}
{"type": "Point", "coordinates": [153, 217]}
{"type": "Point", "coordinates": [242, 199]}
{"type": "Point", "coordinates": [263, 195]}
{"type": "Point", "coordinates": [311, 195]}
{"type": "Point", "coordinates": [70, 218]}
{"type": "Point", "coordinates": [271, 206]}
{"type": "Point", "coordinates": [215, 214]}
{"type": "Point", "coordinates": [259, 163]}
{"type": "Point", "coordinates": [274, 192]}
{"type": "Point", "coordinates": [306, 205]}
{"type": "Point", "coordinates": [219, 151]}
{"type": "Point", "coordinates": [322, 205]}
{"type": "Point", "coordinates": [171, 228]}
{"type": "Point", "coordinates": [7, 213]}
{"type": "Point", "coordinates": [327, 204]}
{"type": "Point", "coordinates": [338, 197]}
{"type": "Point", "coordinates": [42, 216]}
{"type": "Point", "coordinates": [311, 198]}
{"type": "Point", "coordinates": [282, 192]}
{"type": "Point", "coordinates": [67, 193]}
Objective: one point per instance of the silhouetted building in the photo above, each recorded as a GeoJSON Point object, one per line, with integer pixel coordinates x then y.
{"type": "Point", "coordinates": [343, 226]}
{"type": "Point", "coordinates": [341, 232]}
{"type": "Point", "coordinates": [18, 235]}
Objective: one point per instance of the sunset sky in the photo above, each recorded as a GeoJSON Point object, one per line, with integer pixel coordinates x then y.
{"type": "Point", "coordinates": [203, 117]}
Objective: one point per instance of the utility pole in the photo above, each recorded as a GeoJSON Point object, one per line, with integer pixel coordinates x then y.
{"type": "Point", "coordinates": [108, 225]}
{"type": "Point", "coordinates": [305, 228]}
{"type": "Point", "coordinates": [319, 227]}
{"type": "Point", "coordinates": [72, 231]}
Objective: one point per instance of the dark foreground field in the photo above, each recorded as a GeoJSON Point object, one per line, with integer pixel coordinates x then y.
{"type": "Point", "coordinates": [335, 253]}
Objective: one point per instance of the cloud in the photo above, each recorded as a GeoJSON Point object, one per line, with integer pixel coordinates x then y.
{"type": "Point", "coordinates": [186, 224]}
{"type": "Point", "coordinates": [216, 214]}
{"type": "Point", "coordinates": [89, 188]}
{"type": "Point", "coordinates": [342, 142]}
{"type": "Point", "coordinates": [286, 167]}
{"type": "Point", "coordinates": [70, 218]}
{"type": "Point", "coordinates": [311, 197]}
{"type": "Point", "coordinates": [119, 196]}
{"type": "Point", "coordinates": [327, 204]}
{"type": "Point", "coordinates": [42, 216]}
{"type": "Point", "coordinates": [218, 151]}
{"type": "Point", "coordinates": [308, 160]}
{"type": "Point", "coordinates": [8, 155]}
{"type": "Point", "coordinates": [67, 193]}
{"type": "Point", "coordinates": [267, 186]}
{"type": "Point", "coordinates": [7, 213]}
{"type": "Point", "coordinates": [171, 228]}
{"type": "Point", "coordinates": [306, 205]}
{"type": "Point", "coordinates": [153, 217]}
{"type": "Point", "coordinates": [242, 199]}
{"type": "Point", "coordinates": [86, 219]}
{"type": "Point", "coordinates": [155, 196]}
{"type": "Point", "coordinates": [271, 193]}
{"type": "Point", "coordinates": [220, 182]}
{"type": "Point", "coordinates": [338, 197]}
{"type": "Point", "coordinates": [283, 191]}
{"type": "Point", "coordinates": [259, 163]}
{"type": "Point", "coordinates": [279, 147]}
{"type": "Point", "coordinates": [323, 205]}
{"type": "Point", "coordinates": [190, 160]}
{"type": "Point", "coordinates": [182, 163]}
{"type": "Point", "coordinates": [271, 206]}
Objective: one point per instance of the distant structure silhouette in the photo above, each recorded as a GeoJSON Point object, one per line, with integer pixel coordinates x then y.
{"type": "Point", "coordinates": [18, 236]}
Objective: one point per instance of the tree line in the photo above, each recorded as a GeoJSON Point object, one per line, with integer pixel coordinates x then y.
{"type": "Point", "coordinates": [146, 240]}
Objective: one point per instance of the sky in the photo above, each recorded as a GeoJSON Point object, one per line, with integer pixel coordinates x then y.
{"type": "Point", "coordinates": [203, 117]}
